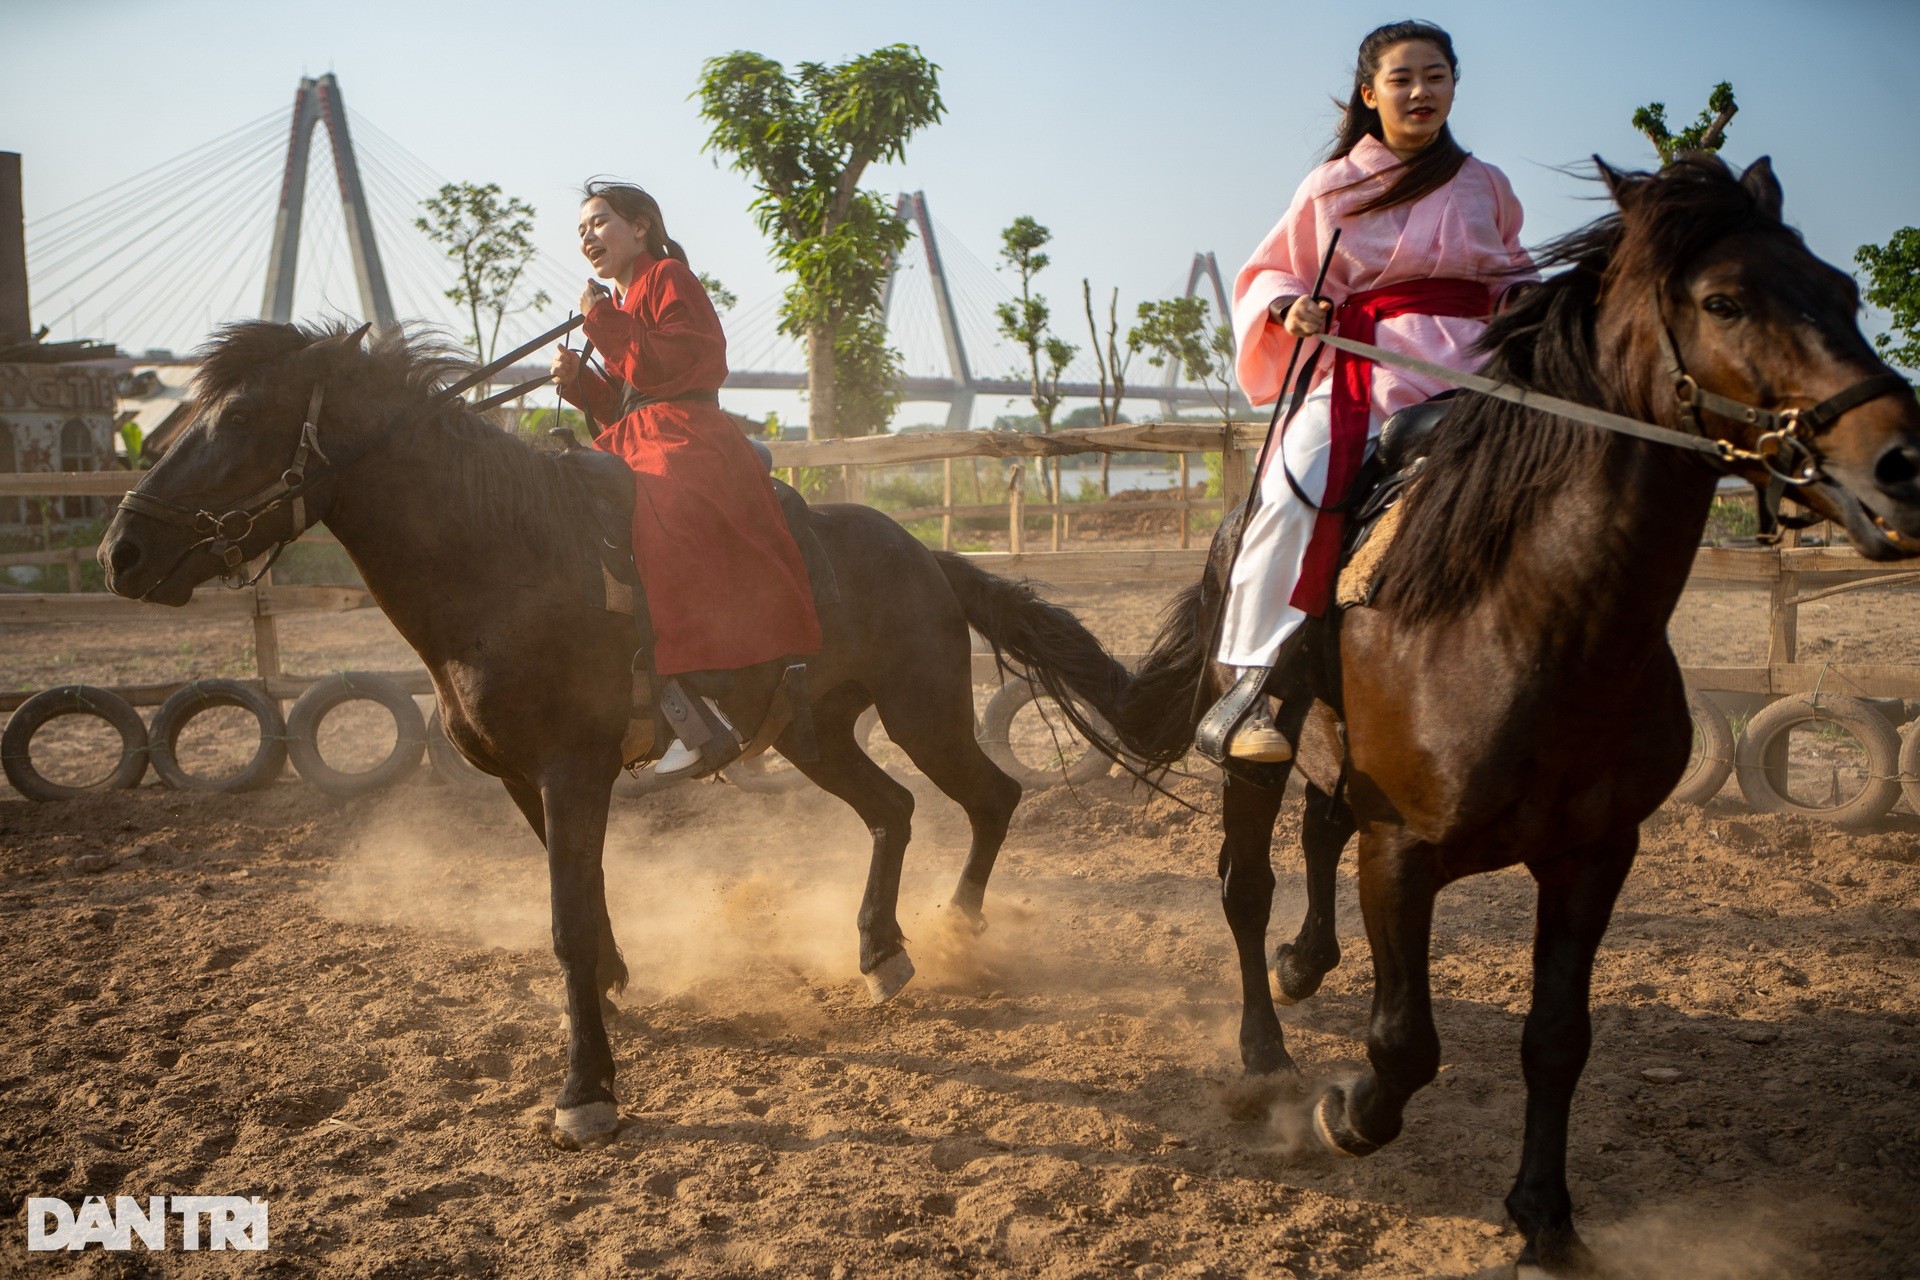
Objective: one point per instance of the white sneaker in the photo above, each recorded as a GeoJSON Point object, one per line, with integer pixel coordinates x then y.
{"type": "Point", "coordinates": [679, 760]}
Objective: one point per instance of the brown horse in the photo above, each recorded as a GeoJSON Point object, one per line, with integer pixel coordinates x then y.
{"type": "Point", "coordinates": [479, 547]}
{"type": "Point", "coordinates": [1510, 696]}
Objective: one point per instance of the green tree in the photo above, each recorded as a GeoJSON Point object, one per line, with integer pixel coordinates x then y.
{"type": "Point", "coordinates": [723, 298]}
{"type": "Point", "coordinates": [1707, 133]}
{"type": "Point", "coordinates": [1027, 321]}
{"type": "Point", "coordinates": [1893, 285]}
{"type": "Point", "coordinates": [489, 240]}
{"type": "Point", "coordinates": [1113, 370]}
{"type": "Point", "coordinates": [1181, 330]}
{"type": "Point", "coordinates": [805, 140]}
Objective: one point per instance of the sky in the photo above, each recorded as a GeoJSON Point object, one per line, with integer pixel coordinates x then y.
{"type": "Point", "coordinates": [1139, 132]}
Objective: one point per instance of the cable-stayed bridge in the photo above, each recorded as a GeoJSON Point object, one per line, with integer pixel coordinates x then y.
{"type": "Point", "coordinates": [233, 229]}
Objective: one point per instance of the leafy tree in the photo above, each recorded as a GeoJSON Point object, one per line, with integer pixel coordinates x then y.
{"type": "Point", "coordinates": [1113, 370]}
{"type": "Point", "coordinates": [1707, 133]}
{"type": "Point", "coordinates": [1027, 321]}
{"type": "Point", "coordinates": [805, 140]}
{"type": "Point", "coordinates": [1893, 285]}
{"type": "Point", "coordinates": [490, 241]}
{"type": "Point", "coordinates": [1179, 329]}
{"type": "Point", "coordinates": [724, 299]}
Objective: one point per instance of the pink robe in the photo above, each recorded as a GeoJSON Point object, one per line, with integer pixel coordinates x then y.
{"type": "Point", "coordinates": [1466, 233]}
{"type": "Point", "coordinates": [1468, 229]}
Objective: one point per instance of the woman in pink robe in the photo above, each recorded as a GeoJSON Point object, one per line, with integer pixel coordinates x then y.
{"type": "Point", "coordinates": [1429, 239]}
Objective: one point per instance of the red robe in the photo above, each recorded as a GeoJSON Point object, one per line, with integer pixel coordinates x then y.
{"type": "Point", "coordinates": [725, 583]}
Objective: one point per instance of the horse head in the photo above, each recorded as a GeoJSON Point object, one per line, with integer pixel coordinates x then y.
{"type": "Point", "coordinates": [236, 484]}
{"type": "Point", "coordinates": [1749, 338]}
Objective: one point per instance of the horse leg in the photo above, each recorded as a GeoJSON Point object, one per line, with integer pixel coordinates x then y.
{"type": "Point", "coordinates": [934, 726]}
{"type": "Point", "coordinates": [575, 801]}
{"type": "Point", "coordinates": [612, 969]}
{"type": "Point", "coordinates": [1298, 966]}
{"type": "Point", "coordinates": [1576, 899]}
{"type": "Point", "coordinates": [1246, 892]}
{"type": "Point", "coordinates": [1398, 882]}
{"type": "Point", "coordinates": [844, 770]}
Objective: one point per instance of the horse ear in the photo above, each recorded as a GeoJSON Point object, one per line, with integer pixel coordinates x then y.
{"type": "Point", "coordinates": [1763, 186]}
{"type": "Point", "coordinates": [1616, 180]}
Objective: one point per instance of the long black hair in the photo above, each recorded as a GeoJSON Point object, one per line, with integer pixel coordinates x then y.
{"type": "Point", "coordinates": [635, 205]}
{"type": "Point", "coordinates": [1434, 165]}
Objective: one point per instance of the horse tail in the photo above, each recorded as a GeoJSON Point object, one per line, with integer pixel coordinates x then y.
{"type": "Point", "coordinates": [1058, 652]}
{"type": "Point", "coordinates": [1161, 709]}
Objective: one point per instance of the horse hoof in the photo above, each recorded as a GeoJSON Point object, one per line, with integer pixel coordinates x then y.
{"type": "Point", "coordinates": [1289, 984]}
{"type": "Point", "coordinates": [891, 974]}
{"type": "Point", "coordinates": [1330, 1125]}
{"type": "Point", "coordinates": [586, 1125]}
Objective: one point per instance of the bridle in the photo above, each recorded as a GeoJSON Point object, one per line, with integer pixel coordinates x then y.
{"type": "Point", "coordinates": [224, 533]}
{"type": "Point", "coordinates": [1783, 449]}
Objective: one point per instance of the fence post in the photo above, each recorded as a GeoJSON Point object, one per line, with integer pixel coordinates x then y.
{"type": "Point", "coordinates": [1783, 619]}
{"type": "Point", "coordinates": [1016, 508]}
{"type": "Point", "coordinates": [266, 638]}
{"type": "Point", "coordinates": [1053, 464]}
{"type": "Point", "coordinates": [1236, 480]}
{"type": "Point", "coordinates": [946, 500]}
{"type": "Point", "coordinates": [73, 570]}
{"type": "Point", "coordinates": [1186, 504]}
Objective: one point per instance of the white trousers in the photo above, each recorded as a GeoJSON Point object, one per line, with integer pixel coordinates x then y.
{"type": "Point", "coordinates": [1258, 615]}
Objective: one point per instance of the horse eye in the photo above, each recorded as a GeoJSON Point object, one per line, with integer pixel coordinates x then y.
{"type": "Point", "coordinates": [1721, 307]}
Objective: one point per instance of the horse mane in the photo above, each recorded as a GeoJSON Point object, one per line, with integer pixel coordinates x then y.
{"type": "Point", "coordinates": [1494, 467]}
{"type": "Point", "coordinates": [495, 478]}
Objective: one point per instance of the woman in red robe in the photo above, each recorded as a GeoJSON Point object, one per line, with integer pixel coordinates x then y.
{"type": "Point", "coordinates": [725, 583]}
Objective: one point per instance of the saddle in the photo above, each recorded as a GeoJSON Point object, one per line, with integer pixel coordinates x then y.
{"type": "Point", "coordinates": [656, 714]}
{"type": "Point", "coordinates": [1384, 480]}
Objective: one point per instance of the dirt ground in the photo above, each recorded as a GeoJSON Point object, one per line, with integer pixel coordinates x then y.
{"type": "Point", "coordinates": [351, 1008]}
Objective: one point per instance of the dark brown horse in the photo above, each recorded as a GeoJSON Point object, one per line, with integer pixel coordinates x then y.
{"type": "Point", "coordinates": [1510, 696]}
{"type": "Point", "coordinates": [477, 544]}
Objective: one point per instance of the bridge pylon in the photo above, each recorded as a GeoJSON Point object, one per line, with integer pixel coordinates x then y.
{"type": "Point", "coordinates": [319, 100]}
{"type": "Point", "coordinates": [1205, 266]}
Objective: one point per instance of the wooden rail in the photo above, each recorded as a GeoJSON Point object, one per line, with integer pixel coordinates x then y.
{"type": "Point", "coordinates": [1789, 575]}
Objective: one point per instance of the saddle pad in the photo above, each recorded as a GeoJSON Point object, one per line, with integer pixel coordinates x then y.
{"type": "Point", "coordinates": [1355, 586]}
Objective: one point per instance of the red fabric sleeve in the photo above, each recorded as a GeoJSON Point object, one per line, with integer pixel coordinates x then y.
{"type": "Point", "coordinates": [666, 338]}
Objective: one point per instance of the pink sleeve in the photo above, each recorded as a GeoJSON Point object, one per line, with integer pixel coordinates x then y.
{"type": "Point", "coordinates": [1284, 265]}
{"type": "Point", "coordinates": [1509, 217]}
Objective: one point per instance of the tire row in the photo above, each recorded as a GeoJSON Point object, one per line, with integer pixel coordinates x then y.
{"type": "Point", "coordinates": [1758, 760]}
{"type": "Point", "coordinates": [294, 738]}
{"type": "Point", "coordinates": [1757, 757]}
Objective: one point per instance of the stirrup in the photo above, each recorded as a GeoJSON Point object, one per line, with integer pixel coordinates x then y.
{"type": "Point", "coordinates": [700, 730]}
{"type": "Point", "coordinates": [1214, 736]}
{"type": "Point", "coordinates": [1259, 740]}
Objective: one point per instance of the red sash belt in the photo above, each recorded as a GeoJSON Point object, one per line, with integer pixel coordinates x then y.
{"type": "Point", "coordinates": [1357, 318]}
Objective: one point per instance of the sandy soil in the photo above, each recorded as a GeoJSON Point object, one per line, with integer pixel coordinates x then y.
{"type": "Point", "coordinates": [351, 1008]}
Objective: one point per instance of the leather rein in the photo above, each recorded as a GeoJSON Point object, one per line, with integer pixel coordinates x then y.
{"type": "Point", "coordinates": [222, 534]}
{"type": "Point", "coordinates": [1783, 448]}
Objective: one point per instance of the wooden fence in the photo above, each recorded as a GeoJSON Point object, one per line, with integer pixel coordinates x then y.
{"type": "Point", "coordinates": [1791, 575]}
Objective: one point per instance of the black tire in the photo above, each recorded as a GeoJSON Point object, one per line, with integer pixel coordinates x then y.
{"type": "Point", "coordinates": [1910, 764]}
{"type": "Point", "coordinates": [269, 758]}
{"type": "Point", "coordinates": [996, 725]}
{"type": "Point", "coordinates": [1760, 758]}
{"type": "Point", "coordinates": [448, 764]}
{"type": "Point", "coordinates": [303, 731]}
{"type": "Point", "coordinates": [1709, 767]}
{"type": "Point", "coordinates": [72, 700]}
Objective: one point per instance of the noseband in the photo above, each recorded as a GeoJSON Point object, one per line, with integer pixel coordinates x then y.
{"type": "Point", "coordinates": [1784, 447]}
